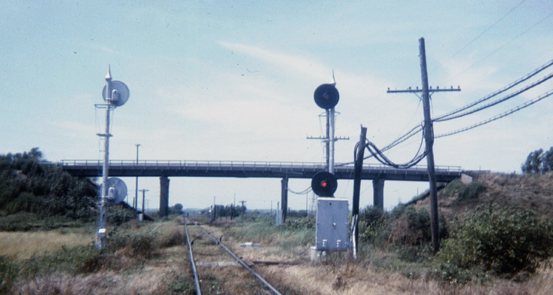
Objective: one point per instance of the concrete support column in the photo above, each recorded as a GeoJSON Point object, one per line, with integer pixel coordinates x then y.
{"type": "Point", "coordinates": [378, 193]}
{"type": "Point", "coordinates": [284, 198]}
{"type": "Point", "coordinates": [163, 196]}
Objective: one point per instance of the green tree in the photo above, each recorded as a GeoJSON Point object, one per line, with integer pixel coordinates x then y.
{"type": "Point", "coordinates": [533, 163]}
{"type": "Point", "coordinates": [547, 161]}
{"type": "Point", "coordinates": [177, 208]}
{"type": "Point", "coordinates": [30, 184]}
{"type": "Point", "coordinates": [538, 162]}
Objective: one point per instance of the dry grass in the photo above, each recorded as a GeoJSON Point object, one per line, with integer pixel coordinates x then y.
{"type": "Point", "coordinates": [352, 278]}
{"type": "Point", "coordinates": [337, 274]}
{"type": "Point", "coordinates": [23, 245]}
{"type": "Point", "coordinates": [165, 273]}
{"type": "Point", "coordinates": [168, 272]}
{"type": "Point", "coordinates": [152, 279]}
{"type": "Point", "coordinates": [533, 192]}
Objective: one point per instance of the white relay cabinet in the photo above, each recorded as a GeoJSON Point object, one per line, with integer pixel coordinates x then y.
{"type": "Point", "coordinates": [332, 225]}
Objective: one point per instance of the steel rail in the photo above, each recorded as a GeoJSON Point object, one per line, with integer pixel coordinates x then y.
{"type": "Point", "coordinates": [271, 288]}
{"type": "Point", "coordinates": [192, 263]}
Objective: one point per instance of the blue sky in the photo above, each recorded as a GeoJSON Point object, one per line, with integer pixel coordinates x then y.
{"type": "Point", "coordinates": [234, 80]}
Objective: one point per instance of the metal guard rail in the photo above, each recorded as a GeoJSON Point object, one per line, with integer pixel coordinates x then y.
{"type": "Point", "coordinates": [239, 165]}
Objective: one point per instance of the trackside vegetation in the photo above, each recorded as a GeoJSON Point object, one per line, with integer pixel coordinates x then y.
{"type": "Point", "coordinates": [496, 235]}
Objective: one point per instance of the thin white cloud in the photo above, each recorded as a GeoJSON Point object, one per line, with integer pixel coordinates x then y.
{"type": "Point", "coordinates": [300, 65]}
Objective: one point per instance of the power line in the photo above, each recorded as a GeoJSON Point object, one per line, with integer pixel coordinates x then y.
{"type": "Point", "coordinates": [305, 191]}
{"type": "Point", "coordinates": [445, 118]}
{"type": "Point", "coordinates": [513, 84]}
{"type": "Point", "coordinates": [483, 32]}
{"type": "Point", "coordinates": [518, 108]}
{"type": "Point", "coordinates": [449, 116]}
{"type": "Point", "coordinates": [502, 46]}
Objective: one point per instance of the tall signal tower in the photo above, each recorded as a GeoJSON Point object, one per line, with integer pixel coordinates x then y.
{"type": "Point", "coordinates": [115, 94]}
{"type": "Point", "coordinates": [326, 97]}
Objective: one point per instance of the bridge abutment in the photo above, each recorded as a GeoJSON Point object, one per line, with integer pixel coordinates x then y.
{"type": "Point", "coordinates": [378, 193]}
{"type": "Point", "coordinates": [284, 198]}
{"type": "Point", "coordinates": [163, 196]}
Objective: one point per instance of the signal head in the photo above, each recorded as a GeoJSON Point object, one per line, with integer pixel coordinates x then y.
{"type": "Point", "coordinates": [120, 93]}
{"type": "Point", "coordinates": [117, 190]}
{"type": "Point", "coordinates": [324, 184]}
{"type": "Point", "coordinates": [326, 96]}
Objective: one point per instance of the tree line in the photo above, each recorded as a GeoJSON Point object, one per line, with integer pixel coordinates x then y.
{"type": "Point", "coordinates": [28, 183]}
{"type": "Point", "coordinates": [538, 162]}
{"type": "Point", "coordinates": [227, 211]}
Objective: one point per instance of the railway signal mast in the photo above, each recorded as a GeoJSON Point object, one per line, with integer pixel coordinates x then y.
{"type": "Point", "coordinates": [332, 214]}
{"type": "Point", "coordinates": [327, 97]}
{"type": "Point", "coordinates": [115, 94]}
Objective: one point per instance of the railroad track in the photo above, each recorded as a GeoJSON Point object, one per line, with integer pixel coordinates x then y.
{"type": "Point", "coordinates": [218, 270]}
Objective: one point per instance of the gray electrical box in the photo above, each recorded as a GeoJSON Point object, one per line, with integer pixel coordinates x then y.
{"type": "Point", "coordinates": [332, 225]}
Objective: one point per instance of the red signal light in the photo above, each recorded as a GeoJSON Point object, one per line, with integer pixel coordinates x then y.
{"type": "Point", "coordinates": [324, 184]}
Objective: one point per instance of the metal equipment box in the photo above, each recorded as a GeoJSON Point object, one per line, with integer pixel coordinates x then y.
{"type": "Point", "coordinates": [332, 225]}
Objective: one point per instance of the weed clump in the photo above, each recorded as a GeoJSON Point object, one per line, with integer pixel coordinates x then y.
{"type": "Point", "coordinates": [373, 223]}
{"type": "Point", "coordinates": [404, 226]}
{"type": "Point", "coordinates": [135, 245]}
{"type": "Point", "coordinates": [300, 223]}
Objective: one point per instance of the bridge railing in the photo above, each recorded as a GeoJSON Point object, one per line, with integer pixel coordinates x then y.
{"type": "Point", "coordinates": [141, 164]}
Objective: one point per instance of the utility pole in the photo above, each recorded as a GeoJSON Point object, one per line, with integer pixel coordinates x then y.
{"type": "Point", "coordinates": [243, 208]}
{"type": "Point", "coordinates": [429, 140]}
{"type": "Point", "coordinates": [306, 203]}
{"type": "Point", "coordinates": [143, 198]}
{"type": "Point", "coordinates": [357, 189]}
{"type": "Point", "coordinates": [136, 185]}
{"type": "Point", "coordinates": [214, 215]}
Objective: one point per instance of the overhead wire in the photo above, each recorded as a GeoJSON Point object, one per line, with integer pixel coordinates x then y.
{"type": "Point", "coordinates": [378, 154]}
{"type": "Point", "coordinates": [497, 101]}
{"type": "Point", "coordinates": [510, 86]}
{"type": "Point", "coordinates": [482, 33]}
{"type": "Point", "coordinates": [305, 191]}
{"type": "Point", "coordinates": [383, 159]}
{"type": "Point", "coordinates": [502, 46]}
{"type": "Point", "coordinates": [518, 108]}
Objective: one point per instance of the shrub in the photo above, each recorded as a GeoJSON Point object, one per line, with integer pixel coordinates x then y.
{"type": "Point", "coordinates": [300, 223]}
{"type": "Point", "coordinates": [471, 191]}
{"type": "Point", "coordinates": [500, 240]}
{"type": "Point", "coordinates": [169, 237]}
{"type": "Point", "coordinates": [413, 227]}
{"type": "Point", "coordinates": [17, 222]}
{"type": "Point", "coordinates": [8, 274]}
{"type": "Point", "coordinates": [372, 224]}
{"type": "Point", "coordinates": [453, 274]}
{"type": "Point", "coordinates": [118, 216]}
{"type": "Point", "coordinates": [80, 259]}
{"type": "Point", "coordinates": [136, 245]}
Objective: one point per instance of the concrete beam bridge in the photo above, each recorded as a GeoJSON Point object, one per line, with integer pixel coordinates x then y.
{"type": "Point", "coordinates": [241, 169]}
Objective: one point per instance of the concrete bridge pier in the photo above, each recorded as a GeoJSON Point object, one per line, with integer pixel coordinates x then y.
{"type": "Point", "coordinates": [378, 193]}
{"type": "Point", "coordinates": [284, 198]}
{"type": "Point", "coordinates": [163, 196]}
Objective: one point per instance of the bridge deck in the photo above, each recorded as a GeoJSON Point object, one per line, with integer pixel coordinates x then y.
{"type": "Point", "coordinates": [153, 168]}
